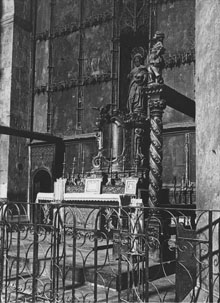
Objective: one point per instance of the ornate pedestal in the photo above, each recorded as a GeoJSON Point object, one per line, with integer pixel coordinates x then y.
{"type": "Point", "coordinates": [123, 145]}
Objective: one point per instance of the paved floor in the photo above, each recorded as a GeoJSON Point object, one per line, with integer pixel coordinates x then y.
{"type": "Point", "coordinates": [161, 289]}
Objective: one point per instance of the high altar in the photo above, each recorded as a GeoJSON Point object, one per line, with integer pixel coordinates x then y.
{"type": "Point", "coordinates": [129, 158]}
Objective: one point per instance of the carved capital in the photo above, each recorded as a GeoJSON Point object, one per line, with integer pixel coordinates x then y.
{"type": "Point", "coordinates": [154, 89]}
{"type": "Point", "coordinates": [157, 104]}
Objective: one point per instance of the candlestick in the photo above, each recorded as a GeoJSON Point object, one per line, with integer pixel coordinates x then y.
{"type": "Point", "coordinates": [73, 169]}
{"type": "Point", "coordinates": [64, 165]}
{"type": "Point", "coordinates": [83, 163]}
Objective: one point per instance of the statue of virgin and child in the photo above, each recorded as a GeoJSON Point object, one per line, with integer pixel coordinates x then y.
{"type": "Point", "coordinates": [142, 75]}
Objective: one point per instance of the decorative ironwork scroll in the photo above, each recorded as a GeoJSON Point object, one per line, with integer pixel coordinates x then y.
{"type": "Point", "coordinates": [73, 252]}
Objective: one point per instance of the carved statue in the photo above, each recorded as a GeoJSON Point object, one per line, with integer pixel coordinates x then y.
{"type": "Point", "coordinates": [104, 114]}
{"type": "Point", "coordinates": [156, 60]}
{"type": "Point", "coordinates": [138, 77]}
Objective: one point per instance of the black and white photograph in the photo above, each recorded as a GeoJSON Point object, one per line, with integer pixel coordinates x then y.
{"type": "Point", "coordinates": [109, 151]}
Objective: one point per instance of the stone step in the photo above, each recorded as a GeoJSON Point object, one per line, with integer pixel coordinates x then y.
{"type": "Point", "coordinates": [108, 275]}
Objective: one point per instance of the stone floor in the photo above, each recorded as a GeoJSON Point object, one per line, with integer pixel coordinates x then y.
{"type": "Point", "coordinates": [161, 288]}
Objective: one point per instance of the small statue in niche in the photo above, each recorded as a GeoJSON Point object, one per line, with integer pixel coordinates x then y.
{"type": "Point", "coordinates": [139, 144]}
{"type": "Point", "coordinates": [156, 60]}
{"type": "Point", "coordinates": [138, 77]}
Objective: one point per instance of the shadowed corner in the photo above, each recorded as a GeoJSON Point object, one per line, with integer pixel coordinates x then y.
{"type": "Point", "coordinates": [179, 102]}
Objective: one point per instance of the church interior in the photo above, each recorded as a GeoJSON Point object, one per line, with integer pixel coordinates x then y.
{"type": "Point", "coordinates": [113, 101]}
{"type": "Point", "coordinates": [77, 63]}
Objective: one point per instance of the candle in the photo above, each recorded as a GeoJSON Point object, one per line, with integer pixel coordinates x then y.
{"type": "Point", "coordinates": [83, 162]}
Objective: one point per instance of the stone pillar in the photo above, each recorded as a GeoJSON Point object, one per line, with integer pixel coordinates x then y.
{"type": "Point", "coordinates": [207, 96]}
{"type": "Point", "coordinates": [6, 51]}
{"type": "Point", "coordinates": [15, 41]}
{"type": "Point", "coordinates": [156, 106]}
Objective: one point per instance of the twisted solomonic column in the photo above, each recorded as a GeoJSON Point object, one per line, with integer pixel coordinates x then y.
{"type": "Point", "coordinates": [156, 106]}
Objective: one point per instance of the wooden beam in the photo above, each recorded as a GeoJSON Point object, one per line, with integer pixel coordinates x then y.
{"type": "Point", "coordinates": [6, 130]}
{"type": "Point", "coordinates": [179, 102]}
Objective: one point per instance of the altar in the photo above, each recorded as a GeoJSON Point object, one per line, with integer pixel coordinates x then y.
{"type": "Point", "coordinates": [89, 210]}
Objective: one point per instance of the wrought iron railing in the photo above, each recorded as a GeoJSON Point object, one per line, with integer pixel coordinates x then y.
{"type": "Point", "coordinates": [90, 253]}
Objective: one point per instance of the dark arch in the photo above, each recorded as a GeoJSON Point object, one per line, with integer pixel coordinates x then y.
{"type": "Point", "coordinates": [42, 182]}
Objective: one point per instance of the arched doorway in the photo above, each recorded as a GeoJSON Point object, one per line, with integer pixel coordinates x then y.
{"type": "Point", "coordinates": [42, 182]}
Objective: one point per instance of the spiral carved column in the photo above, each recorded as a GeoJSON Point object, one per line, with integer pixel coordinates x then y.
{"type": "Point", "coordinates": [156, 106]}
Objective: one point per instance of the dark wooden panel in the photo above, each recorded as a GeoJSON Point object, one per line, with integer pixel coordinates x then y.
{"type": "Point", "coordinates": [173, 157]}
{"type": "Point", "coordinates": [43, 156]}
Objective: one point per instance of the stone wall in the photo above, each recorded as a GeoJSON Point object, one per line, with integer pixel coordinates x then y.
{"type": "Point", "coordinates": [6, 48]}
{"type": "Point", "coordinates": [20, 112]}
{"type": "Point", "coordinates": [82, 54]}
{"type": "Point", "coordinates": [207, 94]}
{"type": "Point", "coordinates": [73, 69]}
{"type": "Point", "coordinates": [15, 97]}
{"type": "Point", "coordinates": [207, 103]}
{"type": "Point", "coordinates": [176, 19]}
